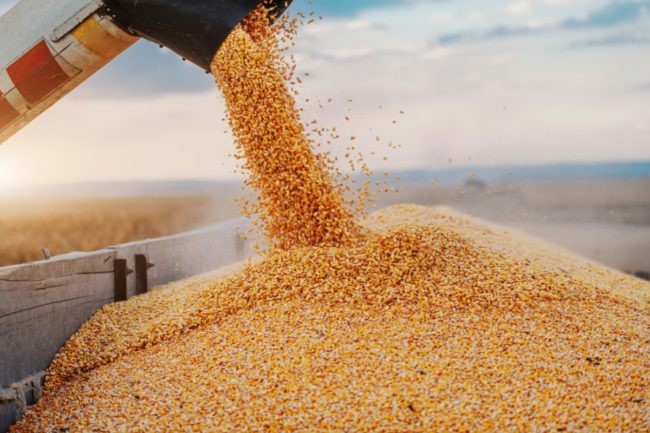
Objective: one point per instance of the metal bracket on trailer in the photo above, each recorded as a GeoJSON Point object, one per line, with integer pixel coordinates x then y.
{"type": "Point", "coordinates": [142, 266]}
{"type": "Point", "coordinates": [122, 272]}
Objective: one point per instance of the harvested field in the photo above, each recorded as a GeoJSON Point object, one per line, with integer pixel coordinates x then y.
{"type": "Point", "coordinates": [66, 225]}
{"type": "Point", "coordinates": [438, 322]}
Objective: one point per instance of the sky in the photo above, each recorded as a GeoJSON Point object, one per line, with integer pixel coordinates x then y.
{"type": "Point", "coordinates": [488, 82]}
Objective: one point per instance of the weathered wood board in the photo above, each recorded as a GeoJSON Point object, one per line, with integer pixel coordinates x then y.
{"type": "Point", "coordinates": [41, 305]}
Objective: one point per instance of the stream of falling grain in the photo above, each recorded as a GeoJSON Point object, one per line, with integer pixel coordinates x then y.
{"type": "Point", "coordinates": [298, 202]}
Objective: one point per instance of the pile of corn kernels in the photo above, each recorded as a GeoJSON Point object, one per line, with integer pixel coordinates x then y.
{"type": "Point", "coordinates": [436, 323]}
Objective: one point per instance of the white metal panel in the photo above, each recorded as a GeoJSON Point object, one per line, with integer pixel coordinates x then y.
{"type": "Point", "coordinates": [31, 20]}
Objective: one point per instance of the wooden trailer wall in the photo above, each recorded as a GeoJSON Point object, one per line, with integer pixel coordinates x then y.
{"type": "Point", "coordinates": [42, 304]}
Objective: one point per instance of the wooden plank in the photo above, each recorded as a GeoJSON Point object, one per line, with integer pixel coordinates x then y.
{"type": "Point", "coordinates": [41, 305]}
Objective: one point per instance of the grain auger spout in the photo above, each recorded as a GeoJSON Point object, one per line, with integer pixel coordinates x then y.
{"type": "Point", "coordinates": [50, 47]}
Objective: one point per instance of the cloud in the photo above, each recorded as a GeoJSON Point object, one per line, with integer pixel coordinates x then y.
{"type": "Point", "coordinates": [612, 40]}
{"type": "Point", "coordinates": [336, 25]}
{"type": "Point", "coordinates": [352, 8]}
{"type": "Point", "coordinates": [519, 8]}
{"type": "Point", "coordinates": [611, 15]}
{"type": "Point", "coordinates": [493, 33]}
{"type": "Point", "coordinates": [565, 2]}
{"type": "Point", "coordinates": [442, 18]}
{"type": "Point", "coordinates": [343, 8]}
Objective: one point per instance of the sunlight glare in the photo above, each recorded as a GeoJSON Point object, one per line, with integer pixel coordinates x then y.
{"type": "Point", "coordinates": [9, 176]}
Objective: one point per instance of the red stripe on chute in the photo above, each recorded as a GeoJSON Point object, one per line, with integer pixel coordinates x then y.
{"type": "Point", "coordinates": [37, 74]}
{"type": "Point", "coordinates": [7, 112]}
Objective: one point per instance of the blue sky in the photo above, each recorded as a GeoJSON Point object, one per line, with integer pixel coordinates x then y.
{"type": "Point", "coordinates": [489, 82]}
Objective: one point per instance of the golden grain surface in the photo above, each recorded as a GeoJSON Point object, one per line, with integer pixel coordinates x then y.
{"type": "Point", "coordinates": [437, 323]}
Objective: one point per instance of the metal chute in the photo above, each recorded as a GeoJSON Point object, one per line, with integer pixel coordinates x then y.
{"type": "Point", "coordinates": [194, 29]}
